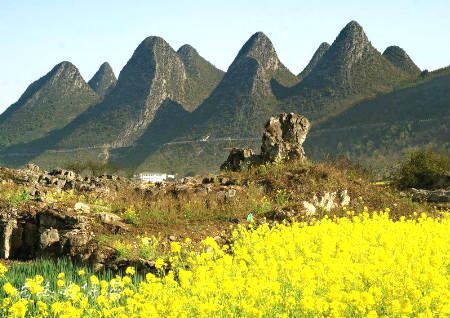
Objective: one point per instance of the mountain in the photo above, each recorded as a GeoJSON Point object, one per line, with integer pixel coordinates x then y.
{"type": "Point", "coordinates": [397, 56]}
{"type": "Point", "coordinates": [378, 131]}
{"type": "Point", "coordinates": [244, 97]}
{"type": "Point", "coordinates": [103, 80]}
{"type": "Point", "coordinates": [48, 104]}
{"type": "Point", "coordinates": [353, 65]}
{"type": "Point", "coordinates": [155, 73]}
{"type": "Point", "coordinates": [349, 71]}
{"type": "Point", "coordinates": [175, 111]}
{"type": "Point", "coordinates": [321, 50]}
{"type": "Point", "coordinates": [203, 77]}
{"type": "Point", "coordinates": [235, 112]}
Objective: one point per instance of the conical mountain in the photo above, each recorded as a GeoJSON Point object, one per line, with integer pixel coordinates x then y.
{"type": "Point", "coordinates": [155, 73]}
{"type": "Point", "coordinates": [245, 95]}
{"type": "Point", "coordinates": [203, 77]}
{"type": "Point", "coordinates": [353, 66]}
{"type": "Point", "coordinates": [320, 52]}
{"type": "Point", "coordinates": [260, 49]}
{"type": "Point", "coordinates": [397, 56]}
{"type": "Point", "coordinates": [103, 80]}
{"type": "Point", "coordinates": [49, 103]}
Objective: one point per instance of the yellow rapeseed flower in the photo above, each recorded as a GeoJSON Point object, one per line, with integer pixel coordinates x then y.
{"type": "Point", "coordinates": [361, 265]}
{"type": "Point", "coordinates": [175, 247]}
{"type": "Point", "coordinates": [130, 271]}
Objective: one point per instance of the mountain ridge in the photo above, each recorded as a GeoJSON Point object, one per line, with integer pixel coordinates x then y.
{"type": "Point", "coordinates": [170, 106]}
{"type": "Point", "coordinates": [154, 73]}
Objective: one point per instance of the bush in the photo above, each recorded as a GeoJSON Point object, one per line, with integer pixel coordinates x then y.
{"type": "Point", "coordinates": [425, 169]}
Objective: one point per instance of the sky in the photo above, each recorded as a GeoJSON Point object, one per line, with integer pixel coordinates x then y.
{"type": "Point", "coordinates": [35, 35]}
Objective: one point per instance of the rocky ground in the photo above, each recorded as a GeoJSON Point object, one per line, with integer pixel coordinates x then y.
{"type": "Point", "coordinates": [103, 220]}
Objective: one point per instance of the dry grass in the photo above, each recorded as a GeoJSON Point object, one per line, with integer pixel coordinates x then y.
{"type": "Point", "coordinates": [262, 190]}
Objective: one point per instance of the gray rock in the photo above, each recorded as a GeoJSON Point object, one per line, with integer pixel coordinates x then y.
{"type": "Point", "coordinates": [437, 196]}
{"type": "Point", "coordinates": [239, 159]}
{"type": "Point", "coordinates": [49, 237]}
{"type": "Point", "coordinates": [326, 202]}
{"type": "Point", "coordinates": [82, 207]}
{"type": "Point", "coordinates": [309, 208]}
{"type": "Point", "coordinates": [8, 230]}
{"type": "Point", "coordinates": [282, 140]}
{"type": "Point", "coordinates": [33, 167]}
{"type": "Point", "coordinates": [109, 218]}
{"type": "Point", "coordinates": [344, 198]}
{"type": "Point", "coordinates": [53, 219]}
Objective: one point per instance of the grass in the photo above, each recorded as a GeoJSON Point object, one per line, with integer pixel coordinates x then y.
{"type": "Point", "coordinates": [18, 272]}
{"type": "Point", "coordinates": [13, 196]}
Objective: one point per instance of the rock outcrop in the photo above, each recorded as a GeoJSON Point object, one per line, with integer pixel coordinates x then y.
{"type": "Point", "coordinates": [282, 140]}
{"type": "Point", "coordinates": [326, 202]}
{"type": "Point", "coordinates": [49, 226]}
{"type": "Point", "coordinates": [40, 182]}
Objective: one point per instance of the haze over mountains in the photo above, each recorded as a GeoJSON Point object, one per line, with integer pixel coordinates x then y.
{"type": "Point", "coordinates": [174, 111]}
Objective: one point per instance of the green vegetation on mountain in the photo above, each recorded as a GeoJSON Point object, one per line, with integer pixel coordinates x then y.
{"type": "Point", "coordinates": [244, 98]}
{"type": "Point", "coordinates": [321, 50]}
{"type": "Point", "coordinates": [155, 73]}
{"type": "Point", "coordinates": [351, 70]}
{"type": "Point", "coordinates": [399, 58]}
{"type": "Point", "coordinates": [103, 80]}
{"type": "Point", "coordinates": [48, 104]}
{"type": "Point", "coordinates": [203, 77]}
{"type": "Point", "coordinates": [377, 131]}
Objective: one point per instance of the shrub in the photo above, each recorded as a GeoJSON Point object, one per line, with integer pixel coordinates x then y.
{"type": "Point", "coordinates": [423, 168]}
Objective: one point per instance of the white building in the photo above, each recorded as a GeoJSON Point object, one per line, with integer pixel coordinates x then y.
{"type": "Point", "coordinates": [154, 177]}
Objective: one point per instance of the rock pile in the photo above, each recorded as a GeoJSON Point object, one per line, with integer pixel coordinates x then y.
{"type": "Point", "coordinates": [45, 229]}
{"type": "Point", "coordinates": [40, 181]}
{"type": "Point", "coordinates": [435, 196]}
{"type": "Point", "coordinates": [282, 140]}
{"type": "Point", "coordinates": [220, 186]}
{"type": "Point", "coordinates": [51, 232]}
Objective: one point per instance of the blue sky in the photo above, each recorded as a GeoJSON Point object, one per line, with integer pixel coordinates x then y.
{"type": "Point", "coordinates": [36, 35]}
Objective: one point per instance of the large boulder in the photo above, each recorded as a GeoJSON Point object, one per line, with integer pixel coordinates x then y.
{"type": "Point", "coordinates": [282, 140]}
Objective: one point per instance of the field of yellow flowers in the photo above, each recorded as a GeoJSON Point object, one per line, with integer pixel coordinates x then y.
{"type": "Point", "coordinates": [356, 266]}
